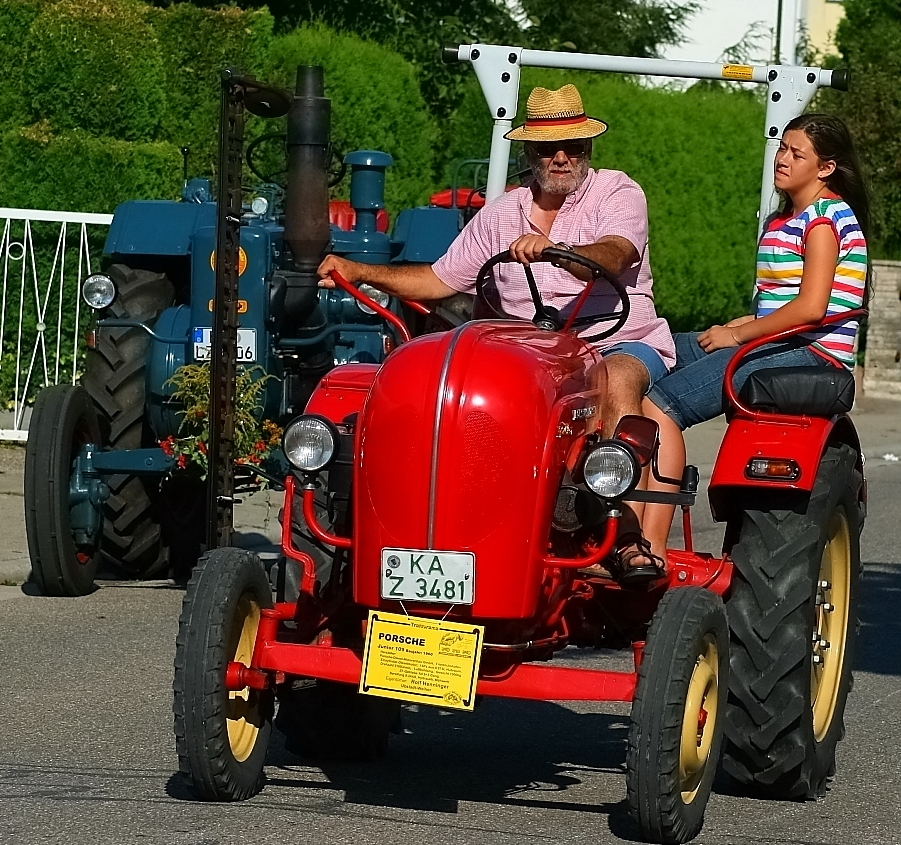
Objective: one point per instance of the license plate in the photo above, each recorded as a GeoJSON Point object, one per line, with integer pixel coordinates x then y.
{"type": "Point", "coordinates": [428, 575]}
{"type": "Point", "coordinates": [247, 344]}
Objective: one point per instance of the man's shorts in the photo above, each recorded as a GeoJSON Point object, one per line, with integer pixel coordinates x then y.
{"type": "Point", "coordinates": [648, 356]}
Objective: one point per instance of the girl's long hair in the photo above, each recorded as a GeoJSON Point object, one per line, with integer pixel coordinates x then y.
{"type": "Point", "coordinates": [831, 141]}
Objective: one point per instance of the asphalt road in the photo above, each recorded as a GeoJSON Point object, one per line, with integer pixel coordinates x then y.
{"type": "Point", "coordinates": [87, 753]}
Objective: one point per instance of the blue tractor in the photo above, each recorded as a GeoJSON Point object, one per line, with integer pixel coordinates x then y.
{"type": "Point", "coordinates": [231, 282]}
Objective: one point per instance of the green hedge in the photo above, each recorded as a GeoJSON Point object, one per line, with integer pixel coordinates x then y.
{"type": "Point", "coordinates": [96, 64]}
{"type": "Point", "coordinates": [196, 45]}
{"type": "Point", "coordinates": [16, 17]}
{"type": "Point", "coordinates": [148, 77]}
{"type": "Point", "coordinates": [76, 171]}
{"type": "Point", "coordinates": [698, 155]}
{"type": "Point", "coordinates": [376, 104]}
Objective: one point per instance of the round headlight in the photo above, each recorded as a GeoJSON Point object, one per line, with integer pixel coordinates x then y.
{"type": "Point", "coordinates": [98, 290]}
{"type": "Point", "coordinates": [379, 296]}
{"type": "Point", "coordinates": [611, 470]}
{"type": "Point", "coordinates": [259, 206]}
{"type": "Point", "coordinates": [310, 443]}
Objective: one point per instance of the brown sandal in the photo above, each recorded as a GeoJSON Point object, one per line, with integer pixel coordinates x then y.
{"type": "Point", "coordinates": [631, 546]}
{"type": "Point", "coordinates": [597, 570]}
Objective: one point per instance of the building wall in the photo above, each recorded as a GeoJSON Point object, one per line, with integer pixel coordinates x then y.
{"type": "Point", "coordinates": [821, 18]}
{"type": "Point", "coordinates": [882, 361]}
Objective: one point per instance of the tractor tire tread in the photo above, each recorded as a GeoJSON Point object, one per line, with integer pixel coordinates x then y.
{"type": "Point", "coordinates": [201, 735]}
{"type": "Point", "coordinates": [769, 742]}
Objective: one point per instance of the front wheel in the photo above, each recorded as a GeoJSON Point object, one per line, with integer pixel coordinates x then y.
{"type": "Point", "coordinates": [116, 379]}
{"type": "Point", "coordinates": [676, 722]}
{"type": "Point", "coordinates": [221, 735]}
{"type": "Point", "coordinates": [63, 507]}
{"type": "Point", "coordinates": [793, 618]}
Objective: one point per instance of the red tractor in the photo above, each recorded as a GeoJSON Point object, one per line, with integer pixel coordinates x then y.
{"type": "Point", "coordinates": [439, 513]}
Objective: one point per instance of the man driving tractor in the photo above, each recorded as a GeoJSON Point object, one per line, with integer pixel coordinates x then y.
{"type": "Point", "coordinates": [600, 214]}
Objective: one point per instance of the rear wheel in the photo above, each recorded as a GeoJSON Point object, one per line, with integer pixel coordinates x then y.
{"type": "Point", "coordinates": [792, 614]}
{"type": "Point", "coordinates": [62, 507]}
{"type": "Point", "coordinates": [676, 722]}
{"type": "Point", "coordinates": [221, 735]}
{"type": "Point", "coordinates": [116, 381]}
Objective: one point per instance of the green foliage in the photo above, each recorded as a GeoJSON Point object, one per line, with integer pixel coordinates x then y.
{"type": "Point", "coordinates": [416, 30]}
{"type": "Point", "coordinates": [16, 17]}
{"type": "Point", "coordinates": [95, 63]}
{"type": "Point", "coordinates": [196, 46]}
{"type": "Point", "coordinates": [697, 155]}
{"type": "Point", "coordinates": [76, 171]}
{"type": "Point", "coordinates": [376, 103]}
{"type": "Point", "coordinates": [868, 39]}
{"type": "Point", "coordinates": [254, 440]}
{"type": "Point", "coordinates": [616, 27]}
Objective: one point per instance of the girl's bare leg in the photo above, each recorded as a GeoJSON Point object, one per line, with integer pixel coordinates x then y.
{"type": "Point", "coordinates": [658, 518]}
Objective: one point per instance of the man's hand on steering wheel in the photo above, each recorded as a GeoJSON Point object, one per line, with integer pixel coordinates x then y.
{"type": "Point", "coordinates": [528, 248]}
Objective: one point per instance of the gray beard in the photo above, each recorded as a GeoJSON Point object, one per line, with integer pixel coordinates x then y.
{"type": "Point", "coordinates": [555, 187]}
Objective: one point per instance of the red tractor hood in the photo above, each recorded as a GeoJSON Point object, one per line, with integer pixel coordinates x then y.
{"type": "Point", "coordinates": [462, 443]}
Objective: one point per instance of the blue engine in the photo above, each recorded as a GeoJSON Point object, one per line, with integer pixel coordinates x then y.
{"type": "Point", "coordinates": [180, 238]}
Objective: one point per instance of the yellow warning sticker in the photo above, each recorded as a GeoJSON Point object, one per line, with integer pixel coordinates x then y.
{"type": "Point", "coordinates": [738, 72]}
{"type": "Point", "coordinates": [242, 260]}
{"type": "Point", "coordinates": [243, 307]}
{"type": "Point", "coordinates": [424, 661]}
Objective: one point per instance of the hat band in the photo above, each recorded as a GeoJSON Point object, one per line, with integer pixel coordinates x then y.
{"type": "Point", "coordinates": [555, 121]}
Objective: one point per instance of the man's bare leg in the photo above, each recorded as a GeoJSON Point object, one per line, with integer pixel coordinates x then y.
{"type": "Point", "coordinates": [658, 518]}
{"type": "Point", "coordinates": [627, 383]}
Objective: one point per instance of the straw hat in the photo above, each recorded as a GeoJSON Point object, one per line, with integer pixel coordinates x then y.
{"type": "Point", "coordinates": [556, 116]}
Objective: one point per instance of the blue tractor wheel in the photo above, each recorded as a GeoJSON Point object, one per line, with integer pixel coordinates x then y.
{"type": "Point", "coordinates": [115, 379]}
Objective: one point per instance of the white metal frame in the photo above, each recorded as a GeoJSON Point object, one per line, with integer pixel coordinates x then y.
{"type": "Point", "coordinates": [789, 91]}
{"type": "Point", "coordinates": [39, 364]}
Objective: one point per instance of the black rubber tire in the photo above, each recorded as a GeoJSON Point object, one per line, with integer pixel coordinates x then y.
{"type": "Point", "coordinates": [62, 421]}
{"type": "Point", "coordinates": [221, 737]}
{"type": "Point", "coordinates": [684, 672]}
{"type": "Point", "coordinates": [772, 743]}
{"type": "Point", "coordinates": [115, 378]}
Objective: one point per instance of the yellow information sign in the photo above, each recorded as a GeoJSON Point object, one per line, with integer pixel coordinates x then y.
{"type": "Point", "coordinates": [424, 661]}
{"type": "Point", "coordinates": [745, 72]}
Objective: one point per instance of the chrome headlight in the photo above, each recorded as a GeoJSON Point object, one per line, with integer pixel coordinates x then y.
{"type": "Point", "coordinates": [259, 206]}
{"type": "Point", "coordinates": [379, 296]}
{"type": "Point", "coordinates": [310, 443]}
{"type": "Point", "coordinates": [611, 470]}
{"type": "Point", "coordinates": [98, 290]}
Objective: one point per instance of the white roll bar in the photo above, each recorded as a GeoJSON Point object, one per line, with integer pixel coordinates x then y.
{"type": "Point", "coordinates": [789, 91]}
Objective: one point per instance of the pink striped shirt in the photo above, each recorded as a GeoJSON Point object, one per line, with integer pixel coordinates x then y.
{"type": "Point", "coordinates": [607, 203]}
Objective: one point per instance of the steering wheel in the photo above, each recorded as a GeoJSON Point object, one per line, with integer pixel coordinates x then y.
{"type": "Point", "coordinates": [335, 166]}
{"type": "Point", "coordinates": [548, 317]}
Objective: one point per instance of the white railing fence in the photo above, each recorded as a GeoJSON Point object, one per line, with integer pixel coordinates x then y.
{"type": "Point", "coordinates": [44, 256]}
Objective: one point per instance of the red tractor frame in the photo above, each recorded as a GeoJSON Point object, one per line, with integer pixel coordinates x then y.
{"type": "Point", "coordinates": [473, 446]}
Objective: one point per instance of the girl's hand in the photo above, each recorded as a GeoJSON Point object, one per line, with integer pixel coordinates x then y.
{"type": "Point", "coordinates": [740, 321]}
{"type": "Point", "coordinates": [717, 337]}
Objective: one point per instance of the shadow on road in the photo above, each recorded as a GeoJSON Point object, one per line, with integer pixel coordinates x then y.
{"type": "Point", "coordinates": [879, 642]}
{"type": "Point", "coordinates": [513, 753]}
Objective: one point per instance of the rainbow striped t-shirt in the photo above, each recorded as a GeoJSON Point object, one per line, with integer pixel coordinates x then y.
{"type": "Point", "coordinates": [780, 263]}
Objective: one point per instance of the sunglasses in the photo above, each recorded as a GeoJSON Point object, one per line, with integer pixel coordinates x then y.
{"type": "Point", "coordinates": [548, 149]}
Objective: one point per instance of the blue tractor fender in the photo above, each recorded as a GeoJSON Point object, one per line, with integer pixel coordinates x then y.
{"type": "Point", "coordinates": [156, 227]}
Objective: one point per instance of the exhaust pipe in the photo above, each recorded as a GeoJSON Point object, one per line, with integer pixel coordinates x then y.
{"type": "Point", "coordinates": [307, 233]}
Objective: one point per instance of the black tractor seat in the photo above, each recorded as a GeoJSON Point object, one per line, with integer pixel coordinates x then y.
{"type": "Point", "coordinates": [800, 390]}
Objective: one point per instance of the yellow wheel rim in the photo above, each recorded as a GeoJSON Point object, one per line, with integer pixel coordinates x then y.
{"type": "Point", "coordinates": [244, 709]}
{"type": "Point", "coordinates": [699, 720]}
{"type": "Point", "coordinates": [830, 630]}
